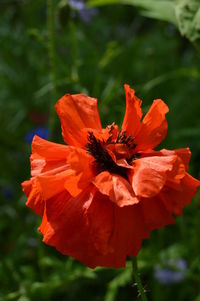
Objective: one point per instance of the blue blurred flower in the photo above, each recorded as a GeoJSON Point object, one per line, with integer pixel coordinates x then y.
{"type": "Point", "coordinates": [77, 4]}
{"type": "Point", "coordinates": [173, 271]}
{"type": "Point", "coordinates": [86, 14]}
{"type": "Point", "coordinates": [42, 132]}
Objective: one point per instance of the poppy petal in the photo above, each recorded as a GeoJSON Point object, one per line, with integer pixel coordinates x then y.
{"type": "Point", "coordinates": [51, 185]}
{"type": "Point", "coordinates": [155, 214]}
{"type": "Point", "coordinates": [77, 112]}
{"type": "Point", "coordinates": [178, 171]}
{"type": "Point", "coordinates": [43, 187]}
{"type": "Point", "coordinates": [47, 156]}
{"type": "Point", "coordinates": [48, 150]}
{"type": "Point", "coordinates": [133, 112]}
{"type": "Point", "coordinates": [116, 259]}
{"type": "Point", "coordinates": [176, 199]}
{"type": "Point", "coordinates": [126, 238]}
{"type": "Point", "coordinates": [150, 174]}
{"type": "Point", "coordinates": [81, 172]}
{"type": "Point", "coordinates": [130, 229]}
{"type": "Point", "coordinates": [100, 218]}
{"type": "Point", "coordinates": [153, 127]}
{"type": "Point", "coordinates": [68, 226]}
{"type": "Point", "coordinates": [80, 227]}
{"type": "Point", "coordinates": [183, 153]}
{"type": "Point", "coordinates": [116, 188]}
{"type": "Point", "coordinates": [34, 197]}
{"type": "Point", "coordinates": [92, 229]}
{"type": "Point", "coordinates": [48, 163]}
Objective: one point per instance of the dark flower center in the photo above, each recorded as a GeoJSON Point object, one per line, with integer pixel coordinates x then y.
{"type": "Point", "coordinates": [103, 160]}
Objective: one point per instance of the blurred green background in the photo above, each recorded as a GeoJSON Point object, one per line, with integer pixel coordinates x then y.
{"type": "Point", "coordinates": [50, 48]}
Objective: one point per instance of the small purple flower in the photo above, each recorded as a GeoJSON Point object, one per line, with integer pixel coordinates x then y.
{"type": "Point", "coordinates": [77, 4]}
{"type": "Point", "coordinates": [85, 14]}
{"type": "Point", "coordinates": [42, 132]}
{"type": "Point", "coordinates": [172, 271]}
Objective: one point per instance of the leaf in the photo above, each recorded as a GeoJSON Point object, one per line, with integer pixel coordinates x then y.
{"type": "Point", "coordinates": [162, 10]}
{"type": "Point", "coordinates": [182, 13]}
{"type": "Point", "coordinates": [188, 18]}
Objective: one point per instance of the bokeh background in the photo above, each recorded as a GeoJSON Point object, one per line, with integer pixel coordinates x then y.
{"type": "Point", "coordinates": [50, 48]}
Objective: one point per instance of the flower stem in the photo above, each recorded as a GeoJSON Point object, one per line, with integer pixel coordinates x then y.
{"type": "Point", "coordinates": [52, 61]}
{"type": "Point", "coordinates": [138, 280]}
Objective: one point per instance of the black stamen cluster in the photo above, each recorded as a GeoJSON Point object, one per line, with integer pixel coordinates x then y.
{"type": "Point", "coordinates": [128, 140]}
{"type": "Point", "coordinates": [102, 158]}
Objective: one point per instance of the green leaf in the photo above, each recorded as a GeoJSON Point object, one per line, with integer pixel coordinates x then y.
{"type": "Point", "coordinates": [188, 18]}
{"type": "Point", "coordinates": [162, 10]}
{"type": "Point", "coordinates": [182, 13]}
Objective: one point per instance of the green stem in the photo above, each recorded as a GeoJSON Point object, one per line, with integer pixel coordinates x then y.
{"type": "Point", "coordinates": [52, 61]}
{"type": "Point", "coordinates": [138, 280]}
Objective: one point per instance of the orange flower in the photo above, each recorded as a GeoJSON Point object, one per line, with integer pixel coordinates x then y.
{"type": "Point", "coordinates": [107, 189]}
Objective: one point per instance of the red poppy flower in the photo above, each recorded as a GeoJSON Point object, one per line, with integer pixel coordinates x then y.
{"type": "Point", "coordinates": [107, 189]}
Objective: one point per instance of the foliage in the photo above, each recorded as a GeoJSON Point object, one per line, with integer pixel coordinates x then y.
{"type": "Point", "coordinates": [188, 17]}
{"type": "Point", "coordinates": [182, 13]}
{"type": "Point", "coordinates": [97, 57]}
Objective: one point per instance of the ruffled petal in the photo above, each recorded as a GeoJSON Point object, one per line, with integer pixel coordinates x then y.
{"type": "Point", "coordinates": [150, 174]}
{"type": "Point", "coordinates": [81, 171]}
{"type": "Point", "coordinates": [92, 229]}
{"type": "Point", "coordinates": [117, 157]}
{"type": "Point", "coordinates": [183, 153]}
{"type": "Point", "coordinates": [110, 260]}
{"type": "Point", "coordinates": [100, 219]}
{"type": "Point", "coordinates": [116, 188]}
{"type": "Point", "coordinates": [181, 164]}
{"type": "Point", "coordinates": [68, 230]}
{"type": "Point", "coordinates": [155, 214]}
{"type": "Point", "coordinates": [133, 113]}
{"type": "Point", "coordinates": [130, 230]}
{"type": "Point", "coordinates": [34, 198]}
{"type": "Point", "coordinates": [80, 227]}
{"type": "Point", "coordinates": [51, 185]}
{"type": "Point", "coordinates": [47, 156]}
{"type": "Point", "coordinates": [126, 239]}
{"type": "Point", "coordinates": [43, 187]}
{"type": "Point", "coordinates": [77, 112]}
{"type": "Point", "coordinates": [153, 127]}
{"type": "Point", "coordinates": [48, 170]}
{"type": "Point", "coordinates": [49, 150]}
{"type": "Point", "coordinates": [178, 171]}
{"type": "Point", "coordinates": [54, 168]}
{"type": "Point", "coordinates": [176, 199]}
{"type": "Point", "coordinates": [45, 228]}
